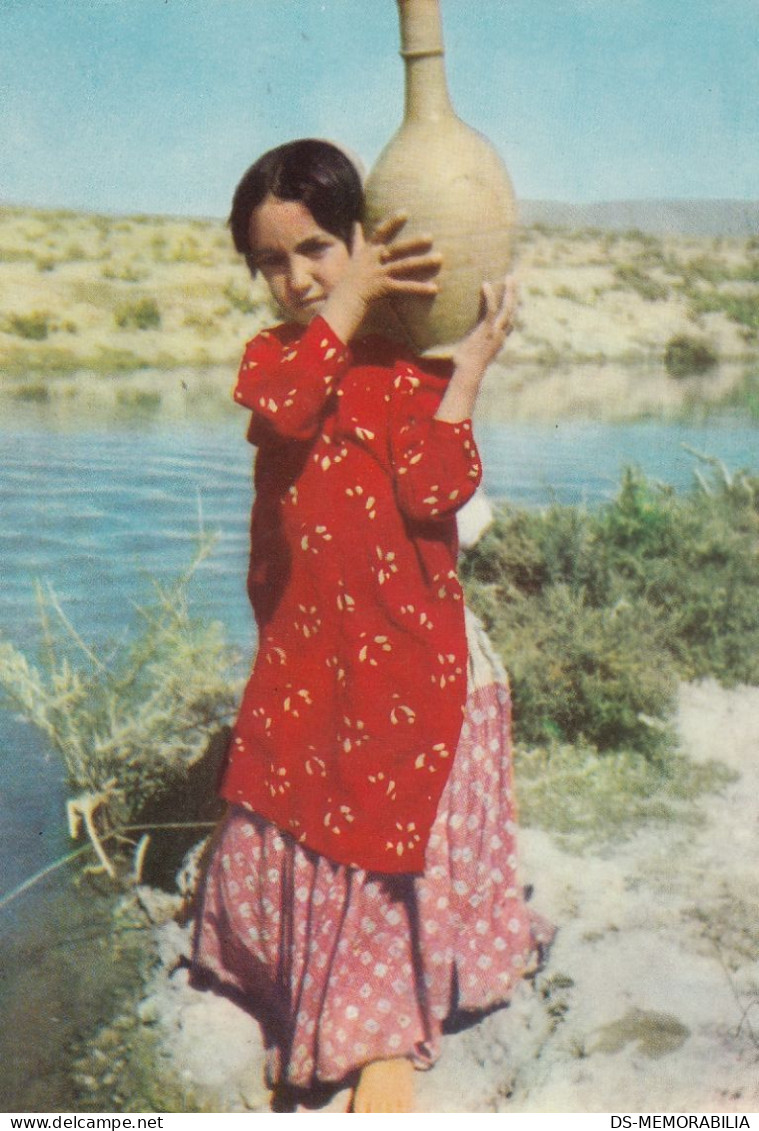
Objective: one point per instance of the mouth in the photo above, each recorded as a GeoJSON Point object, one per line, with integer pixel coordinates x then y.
{"type": "Point", "coordinates": [306, 309]}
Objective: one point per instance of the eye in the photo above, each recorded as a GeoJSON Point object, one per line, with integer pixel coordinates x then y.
{"type": "Point", "coordinates": [268, 261]}
{"type": "Point", "coordinates": [315, 248]}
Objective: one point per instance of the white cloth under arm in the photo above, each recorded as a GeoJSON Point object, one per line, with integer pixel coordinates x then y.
{"type": "Point", "coordinates": [473, 519]}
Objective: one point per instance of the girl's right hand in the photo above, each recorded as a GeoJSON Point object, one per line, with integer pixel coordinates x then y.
{"type": "Point", "coordinates": [474, 353]}
{"type": "Point", "coordinates": [380, 267]}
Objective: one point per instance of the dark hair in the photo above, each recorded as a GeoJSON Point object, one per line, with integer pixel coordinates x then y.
{"type": "Point", "coordinates": [314, 172]}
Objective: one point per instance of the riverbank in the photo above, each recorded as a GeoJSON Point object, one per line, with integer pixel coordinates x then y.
{"type": "Point", "coordinates": [648, 1001]}
{"type": "Point", "coordinates": [68, 966]}
{"type": "Point", "coordinates": [104, 314]}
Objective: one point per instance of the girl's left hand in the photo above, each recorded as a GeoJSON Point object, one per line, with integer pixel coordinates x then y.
{"type": "Point", "coordinates": [384, 265]}
{"type": "Point", "coordinates": [379, 267]}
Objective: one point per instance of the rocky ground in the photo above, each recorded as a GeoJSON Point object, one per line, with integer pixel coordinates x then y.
{"type": "Point", "coordinates": [649, 1002]}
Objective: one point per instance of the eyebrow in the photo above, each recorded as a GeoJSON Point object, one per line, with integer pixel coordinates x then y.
{"type": "Point", "coordinates": [314, 241]}
{"type": "Point", "coordinates": [309, 244]}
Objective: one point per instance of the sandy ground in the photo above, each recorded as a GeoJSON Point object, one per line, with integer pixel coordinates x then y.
{"type": "Point", "coordinates": [650, 999]}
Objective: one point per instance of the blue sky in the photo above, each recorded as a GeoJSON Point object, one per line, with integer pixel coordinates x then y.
{"type": "Point", "coordinates": [159, 105]}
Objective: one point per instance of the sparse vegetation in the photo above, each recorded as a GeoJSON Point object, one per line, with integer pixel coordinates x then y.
{"type": "Point", "coordinates": [567, 293]}
{"type": "Point", "coordinates": [589, 296]}
{"type": "Point", "coordinates": [630, 275]}
{"type": "Point", "coordinates": [744, 397]}
{"type": "Point", "coordinates": [742, 309]}
{"type": "Point", "coordinates": [584, 799]}
{"type": "Point", "coordinates": [34, 326]}
{"type": "Point", "coordinates": [34, 391]}
{"type": "Point", "coordinates": [142, 314]}
{"type": "Point", "coordinates": [144, 400]}
{"type": "Point", "coordinates": [125, 273]}
{"type": "Point", "coordinates": [239, 298]}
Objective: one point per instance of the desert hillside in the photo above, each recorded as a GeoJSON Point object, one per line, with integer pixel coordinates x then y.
{"type": "Point", "coordinates": [164, 305]}
{"type": "Point", "coordinates": [739, 218]}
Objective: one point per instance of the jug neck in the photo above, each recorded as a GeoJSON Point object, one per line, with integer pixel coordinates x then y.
{"type": "Point", "coordinates": [424, 59]}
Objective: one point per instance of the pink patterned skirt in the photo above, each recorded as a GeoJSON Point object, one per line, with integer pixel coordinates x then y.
{"type": "Point", "coordinates": [342, 966]}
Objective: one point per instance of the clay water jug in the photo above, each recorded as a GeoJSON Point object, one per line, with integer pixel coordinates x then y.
{"type": "Point", "coordinates": [452, 184]}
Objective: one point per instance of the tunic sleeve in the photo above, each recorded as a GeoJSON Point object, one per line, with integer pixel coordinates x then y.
{"type": "Point", "coordinates": [287, 384]}
{"type": "Point", "coordinates": [436, 464]}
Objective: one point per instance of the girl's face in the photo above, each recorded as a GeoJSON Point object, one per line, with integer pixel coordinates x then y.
{"type": "Point", "coordinates": [299, 260]}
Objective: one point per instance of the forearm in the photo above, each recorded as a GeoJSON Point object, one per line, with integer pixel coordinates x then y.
{"type": "Point", "coordinates": [460, 397]}
{"type": "Point", "coordinates": [477, 350]}
{"type": "Point", "coordinates": [344, 312]}
{"type": "Point", "coordinates": [435, 462]}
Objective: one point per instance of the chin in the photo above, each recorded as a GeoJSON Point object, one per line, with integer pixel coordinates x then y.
{"type": "Point", "coordinates": [303, 316]}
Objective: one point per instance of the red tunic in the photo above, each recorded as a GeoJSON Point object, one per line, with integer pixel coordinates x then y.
{"type": "Point", "coordinates": [351, 716]}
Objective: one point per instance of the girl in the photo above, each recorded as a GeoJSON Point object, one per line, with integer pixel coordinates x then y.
{"type": "Point", "coordinates": [362, 887]}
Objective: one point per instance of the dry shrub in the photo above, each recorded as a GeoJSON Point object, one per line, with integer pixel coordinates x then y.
{"type": "Point", "coordinates": [142, 314]}
{"type": "Point", "coordinates": [131, 725]}
{"type": "Point", "coordinates": [686, 356]}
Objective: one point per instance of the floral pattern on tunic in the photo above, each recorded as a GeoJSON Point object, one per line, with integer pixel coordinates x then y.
{"type": "Point", "coordinates": [349, 721]}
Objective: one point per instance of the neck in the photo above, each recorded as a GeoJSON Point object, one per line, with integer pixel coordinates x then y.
{"type": "Point", "coordinates": [422, 50]}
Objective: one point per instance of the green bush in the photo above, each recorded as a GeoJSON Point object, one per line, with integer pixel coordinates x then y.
{"type": "Point", "coordinates": [143, 314]}
{"type": "Point", "coordinates": [143, 400]}
{"type": "Point", "coordinates": [744, 397]}
{"type": "Point", "coordinates": [33, 391]}
{"type": "Point", "coordinates": [706, 270]}
{"type": "Point", "coordinates": [597, 614]}
{"type": "Point", "coordinates": [585, 674]}
{"type": "Point", "coordinates": [685, 356]}
{"type": "Point", "coordinates": [582, 665]}
{"type": "Point", "coordinates": [692, 560]}
{"type": "Point", "coordinates": [568, 293]}
{"type": "Point", "coordinates": [124, 273]}
{"type": "Point", "coordinates": [749, 272]}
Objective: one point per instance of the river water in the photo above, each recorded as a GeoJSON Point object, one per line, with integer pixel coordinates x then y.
{"type": "Point", "coordinates": [95, 512]}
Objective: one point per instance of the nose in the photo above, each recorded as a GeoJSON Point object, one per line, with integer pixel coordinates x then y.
{"type": "Point", "coordinates": [299, 277]}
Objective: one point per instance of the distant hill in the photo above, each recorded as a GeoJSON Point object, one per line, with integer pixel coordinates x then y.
{"type": "Point", "coordinates": [739, 218]}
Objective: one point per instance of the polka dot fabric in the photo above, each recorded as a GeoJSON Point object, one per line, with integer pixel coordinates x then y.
{"type": "Point", "coordinates": [344, 966]}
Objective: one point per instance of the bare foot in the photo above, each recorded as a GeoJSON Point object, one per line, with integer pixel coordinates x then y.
{"type": "Point", "coordinates": [385, 1085]}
